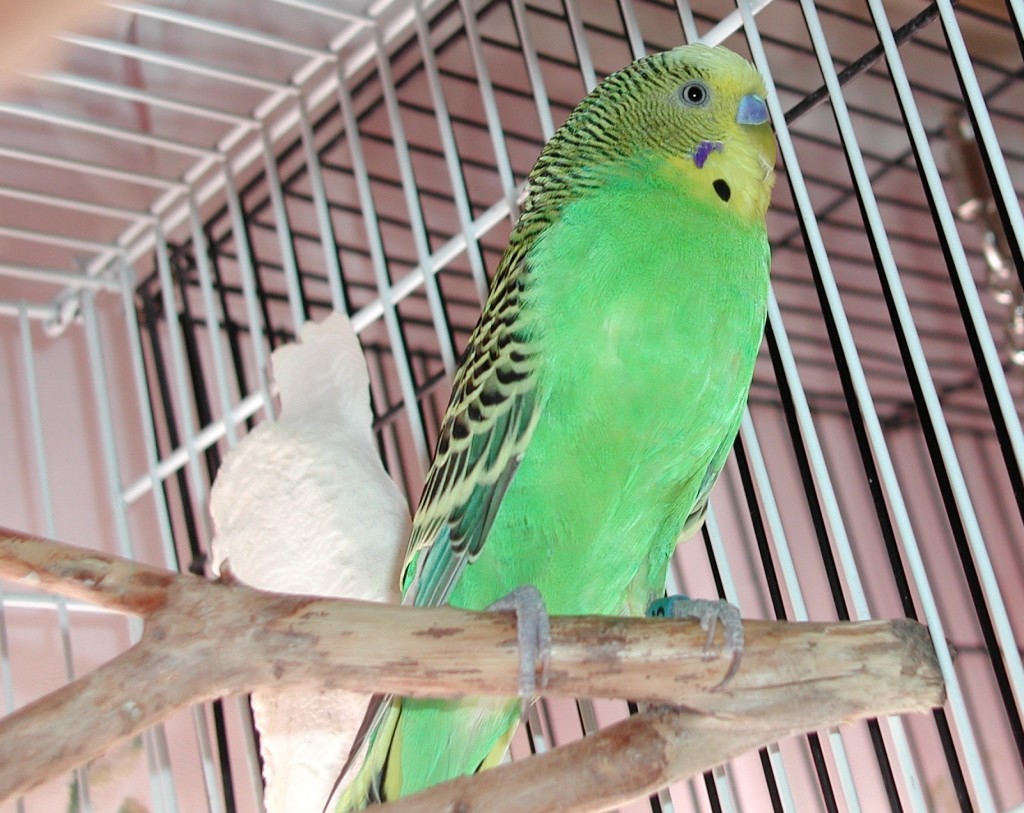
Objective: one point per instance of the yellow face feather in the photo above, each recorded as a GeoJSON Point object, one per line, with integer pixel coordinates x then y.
{"type": "Point", "coordinates": [697, 111]}
{"type": "Point", "coordinates": [734, 159]}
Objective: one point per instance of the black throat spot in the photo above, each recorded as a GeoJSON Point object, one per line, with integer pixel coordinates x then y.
{"type": "Point", "coordinates": [722, 189]}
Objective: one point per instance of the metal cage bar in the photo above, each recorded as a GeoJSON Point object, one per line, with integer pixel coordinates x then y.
{"type": "Point", "coordinates": [879, 469]}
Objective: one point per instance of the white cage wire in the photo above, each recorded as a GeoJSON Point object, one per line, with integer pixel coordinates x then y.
{"type": "Point", "coordinates": [197, 178]}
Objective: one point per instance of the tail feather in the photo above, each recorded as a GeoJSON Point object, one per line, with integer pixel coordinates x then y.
{"type": "Point", "coordinates": [365, 787]}
{"type": "Point", "coordinates": [417, 744]}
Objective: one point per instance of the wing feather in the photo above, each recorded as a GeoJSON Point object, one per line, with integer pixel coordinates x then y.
{"type": "Point", "coordinates": [488, 424]}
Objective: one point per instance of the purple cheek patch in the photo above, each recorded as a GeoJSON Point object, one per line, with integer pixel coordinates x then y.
{"type": "Point", "coordinates": [704, 149]}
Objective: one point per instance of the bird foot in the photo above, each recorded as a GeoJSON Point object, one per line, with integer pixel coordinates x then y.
{"type": "Point", "coordinates": [710, 612]}
{"type": "Point", "coordinates": [533, 632]}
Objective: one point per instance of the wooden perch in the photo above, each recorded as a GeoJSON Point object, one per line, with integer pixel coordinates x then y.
{"type": "Point", "coordinates": [206, 639]}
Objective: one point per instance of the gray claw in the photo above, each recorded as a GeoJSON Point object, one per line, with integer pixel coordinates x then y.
{"type": "Point", "coordinates": [533, 632]}
{"type": "Point", "coordinates": [709, 612]}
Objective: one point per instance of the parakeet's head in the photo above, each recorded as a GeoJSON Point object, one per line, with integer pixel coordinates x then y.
{"type": "Point", "coordinates": [695, 113]}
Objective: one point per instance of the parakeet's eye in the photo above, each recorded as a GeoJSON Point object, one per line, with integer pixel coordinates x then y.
{"type": "Point", "coordinates": [695, 93]}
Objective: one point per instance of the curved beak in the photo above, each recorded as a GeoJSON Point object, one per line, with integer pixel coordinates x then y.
{"type": "Point", "coordinates": [752, 110]}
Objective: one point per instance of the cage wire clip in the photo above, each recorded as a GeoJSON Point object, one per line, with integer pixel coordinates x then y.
{"type": "Point", "coordinates": [978, 205]}
{"type": "Point", "coordinates": [67, 304]}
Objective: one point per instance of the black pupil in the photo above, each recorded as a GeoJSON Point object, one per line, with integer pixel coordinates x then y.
{"type": "Point", "coordinates": [694, 94]}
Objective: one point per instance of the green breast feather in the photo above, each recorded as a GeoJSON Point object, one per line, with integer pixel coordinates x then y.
{"type": "Point", "coordinates": [647, 355]}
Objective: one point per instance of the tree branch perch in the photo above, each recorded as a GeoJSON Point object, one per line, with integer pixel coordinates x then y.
{"type": "Point", "coordinates": [206, 639]}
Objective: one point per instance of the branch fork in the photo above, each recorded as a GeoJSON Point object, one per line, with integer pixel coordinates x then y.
{"type": "Point", "coordinates": [204, 639]}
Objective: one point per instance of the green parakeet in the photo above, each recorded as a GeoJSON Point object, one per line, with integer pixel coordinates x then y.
{"type": "Point", "coordinates": [603, 387]}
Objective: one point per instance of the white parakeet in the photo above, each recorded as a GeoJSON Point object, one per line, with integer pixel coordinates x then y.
{"type": "Point", "coordinates": [303, 505]}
